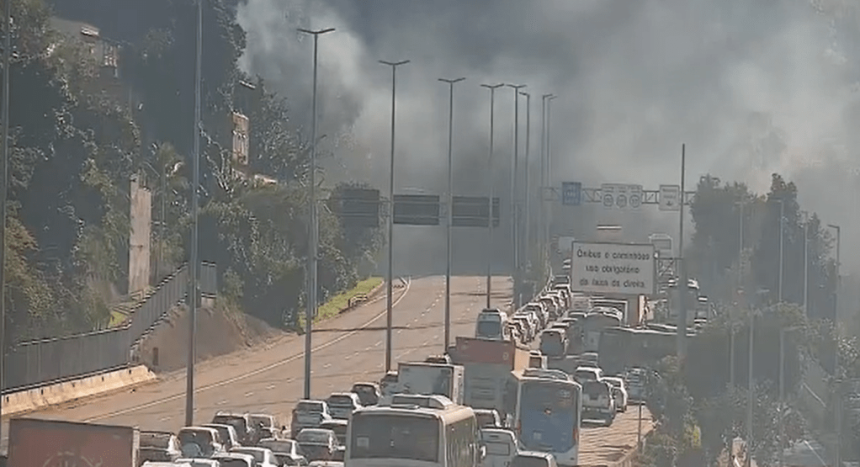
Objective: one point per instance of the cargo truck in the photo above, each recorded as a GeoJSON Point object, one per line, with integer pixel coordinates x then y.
{"type": "Point", "coordinates": [488, 365]}
{"type": "Point", "coordinates": [426, 379]}
{"type": "Point", "coordinates": [57, 443]}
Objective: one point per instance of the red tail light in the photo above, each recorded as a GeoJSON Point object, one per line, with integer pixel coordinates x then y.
{"type": "Point", "coordinates": [575, 436]}
{"type": "Point", "coordinates": [519, 428]}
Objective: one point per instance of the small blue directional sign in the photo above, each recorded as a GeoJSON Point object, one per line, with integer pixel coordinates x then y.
{"type": "Point", "coordinates": [571, 193]}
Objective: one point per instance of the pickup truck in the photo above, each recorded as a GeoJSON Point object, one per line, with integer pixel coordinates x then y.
{"type": "Point", "coordinates": [597, 401]}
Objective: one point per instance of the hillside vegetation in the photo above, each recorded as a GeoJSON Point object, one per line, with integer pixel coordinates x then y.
{"type": "Point", "coordinates": [80, 132]}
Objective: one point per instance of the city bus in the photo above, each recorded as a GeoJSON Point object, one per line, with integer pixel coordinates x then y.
{"type": "Point", "coordinates": [414, 431]}
{"type": "Point", "coordinates": [547, 410]}
{"type": "Point", "coordinates": [592, 324]}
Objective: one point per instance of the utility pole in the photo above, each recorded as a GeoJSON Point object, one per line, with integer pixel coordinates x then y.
{"type": "Point", "coordinates": [806, 264]}
{"type": "Point", "coordinates": [527, 188]}
{"type": "Point", "coordinates": [515, 218]}
{"type": "Point", "coordinates": [548, 156]}
{"type": "Point", "coordinates": [682, 269]}
{"type": "Point", "coordinates": [195, 214]}
{"type": "Point", "coordinates": [492, 88]}
{"type": "Point", "coordinates": [451, 83]}
{"type": "Point", "coordinates": [4, 187]}
{"type": "Point", "coordinates": [781, 249]}
{"type": "Point", "coordinates": [390, 278]}
{"type": "Point", "coordinates": [750, 394]}
{"type": "Point", "coordinates": [313, 223]}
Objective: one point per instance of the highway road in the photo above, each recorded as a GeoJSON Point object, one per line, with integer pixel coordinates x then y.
{"type": "Point", "coordinates": [348, 348]}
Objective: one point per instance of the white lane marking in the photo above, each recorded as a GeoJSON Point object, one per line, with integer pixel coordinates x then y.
{"type": "Point", "coordinates": [223, 402]}
{"type": "Point", "coordinates": [163, 419]}
{"type": "Point", "coordinates": [377, 344]}
{"type": "Point", "coordinates": [327, 365]}
{"type": "Point", "coordinates": [258, 371]}
{"type": "Point", "coordinates": [249, 394]}
{"type": "Point", "coordinates": [270, 387]}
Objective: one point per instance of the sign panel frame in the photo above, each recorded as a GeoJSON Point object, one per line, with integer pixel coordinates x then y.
{"type": "Point", "coordinates": [670, 198]}
{"type": "Point", "coordinates": [611, 269]}
{"type": "Point", "coordinates": [416, 210]}
{"type": "Point", "coordinates": [571, 193]}
{"type": "Point", "coordinates": [621, 195]}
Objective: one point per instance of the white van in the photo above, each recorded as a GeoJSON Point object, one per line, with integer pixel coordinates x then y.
{"type": "Point", "coordinates": [501, 447]}
{"type": "Point", "coordinates": [492, 324]}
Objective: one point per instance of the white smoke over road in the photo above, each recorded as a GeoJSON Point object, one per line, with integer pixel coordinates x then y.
{"type": "Point", "coordinates": [752, 88]}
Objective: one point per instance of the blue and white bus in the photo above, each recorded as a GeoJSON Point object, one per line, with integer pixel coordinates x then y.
{"type": "Point", "coordinates": [547, 411]}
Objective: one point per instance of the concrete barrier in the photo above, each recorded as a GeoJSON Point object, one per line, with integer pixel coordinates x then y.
{"type": "Point", "coordinates": [30, 400]}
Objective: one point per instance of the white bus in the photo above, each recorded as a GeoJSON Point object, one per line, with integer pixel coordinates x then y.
{"type": "Point", "coordinates": [547, 412]}
{"type": "Point", "coordinates": [663, 244]}
{"type": "Point", "coordinates": [414, 431]}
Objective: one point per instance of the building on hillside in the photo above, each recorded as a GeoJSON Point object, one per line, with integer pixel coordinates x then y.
{"type": "Point", "coordinates": [103, 52]}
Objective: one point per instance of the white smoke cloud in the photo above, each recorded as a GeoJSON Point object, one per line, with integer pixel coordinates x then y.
{"type": "Point", "coordinates": [752, 88]}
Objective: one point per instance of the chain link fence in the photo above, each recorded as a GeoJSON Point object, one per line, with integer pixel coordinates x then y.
{"type": "Point", "coordinates": [44, 361]}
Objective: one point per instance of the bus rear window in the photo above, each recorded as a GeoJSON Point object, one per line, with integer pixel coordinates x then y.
{"type": "Point", "coordinates": [386, 436]}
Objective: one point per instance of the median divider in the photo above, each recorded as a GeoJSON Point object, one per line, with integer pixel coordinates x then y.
{"type": "Point", "coordinates": [30, 400]}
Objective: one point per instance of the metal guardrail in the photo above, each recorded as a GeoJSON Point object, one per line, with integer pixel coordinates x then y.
{"type": "Point", "coordinates": [43, 361]}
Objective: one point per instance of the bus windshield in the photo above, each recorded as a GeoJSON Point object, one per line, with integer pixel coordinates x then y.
{"type": "Point", "coordinates": [389, 436]}
{"type": "Point", "coordinates": [490, 329]}
{"type": "Point", "coordinates": [548, 415]}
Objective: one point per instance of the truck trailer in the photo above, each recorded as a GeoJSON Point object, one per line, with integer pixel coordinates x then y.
{"type": "Point", "coordinates": [487, 364]}
{"type": "Point", "coordinates": [46, 443]}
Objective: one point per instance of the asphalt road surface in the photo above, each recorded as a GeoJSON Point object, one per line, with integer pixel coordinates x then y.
{"type": "Point", "coordinates": [348, 348]}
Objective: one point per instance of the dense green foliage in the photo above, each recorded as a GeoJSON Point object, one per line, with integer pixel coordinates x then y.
{"type": "Point", "coordinates": [80, 133]}
{"type": "Point", "coordinates": [724, 266]}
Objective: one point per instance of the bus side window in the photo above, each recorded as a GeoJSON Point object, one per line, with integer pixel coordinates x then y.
{"type": "Point", "coordinates": [509, 398]}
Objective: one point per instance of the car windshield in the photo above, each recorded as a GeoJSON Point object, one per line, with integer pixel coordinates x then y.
{"type": "Point", "coordinates": [200, 438]}
{"type": "Point", "coordinates": [583, 375]}
{"type": "Point", "coordinates": [264, 420]}
{"type": "Point", "coordinates": [489, 329]}
{"type": "Point", "coordinates": [529, 461]}
{"type": "Point", "coordinates": [314, 437]}
{"type": "Point", "coordinates": [310, 406]}
{"type": "Point", "coordinates": [223, 431]}
{"type": "Point", "coordinates": [340, 401]}
{"type": "Point", "coordinates": [486, 419]}
{"type": "Point", "coordinates": [237, 422]}
{"type": "Point", "coordinates": [278, 445]}
{"type": "Point", "coordinates": [155, 439]}
{"type": "Point", "coordinates": [231, 462]}
{"type": "Point", "coordinates": [615, 382]}
{"type": "Point", "coordinates": [258, 454]}
{"type": "Point", "coordinates": [595, 389]}
{"type": "Point", "coordinates": [498, 449]}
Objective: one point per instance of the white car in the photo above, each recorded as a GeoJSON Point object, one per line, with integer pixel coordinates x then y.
{"type": "Point", "coordinates": [308, 413]}
{"type": "Point", "coordinates": [619, 391]}
{"type": "Point", "coordinates": [286, 451]}
{"type": "Point", "coordinates": [342, 404]}
{"type": "Point", "coordinates": [232, 459]}
{"type": "Point", "coordinates": [262, 457]}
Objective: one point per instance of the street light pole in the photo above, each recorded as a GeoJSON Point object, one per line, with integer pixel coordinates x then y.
{"type": "Point", "coordinates": [450, 197]}
{"type": "Point", "coordinates": [4, 182]}
{"type": "Point", "coordinates": [781, 247]}
{"type": "Point", "coordinates": [313, 224]}
{"type": "Point", "coordinates": [836, 372]}
{"type": "Point", "coordinates": [750, 393]}
{"type": "Point", "coordinates": [527, 188]}
{"type": "Point", "coordinates": [492, 88]}
{"type": "Point", "coordinates": [390, 278]}
{"type": "Point", "coordinates": [195, 209]}
{"type": "Point", "coordinates": [806, 264]}
{"type": "Point", "coordinates": [548, 156]}
{"type": "Point", "coordinates": [515, 227]}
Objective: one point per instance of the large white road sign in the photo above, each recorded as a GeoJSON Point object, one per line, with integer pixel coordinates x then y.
{"type": "Point", "coordinates": [612, 268]}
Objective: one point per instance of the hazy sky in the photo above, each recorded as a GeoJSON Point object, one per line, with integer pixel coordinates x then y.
{"type": "Point", "coordinates": [751, 86]}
